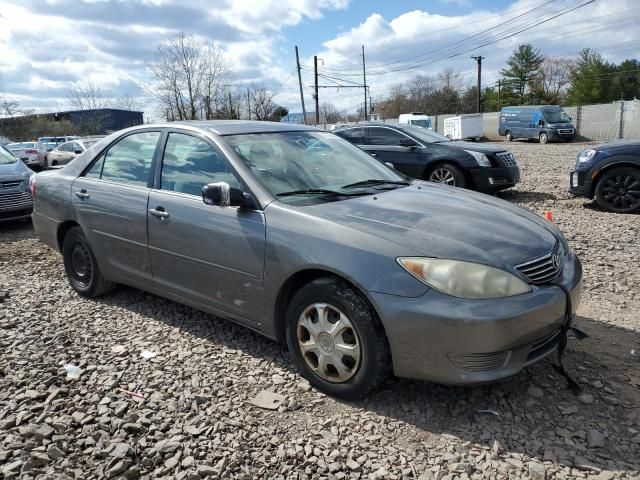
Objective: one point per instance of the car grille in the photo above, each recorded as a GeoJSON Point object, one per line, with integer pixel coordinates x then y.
{"type": "Point", "coordinates": [14, 200]}
{"type": "Point", "coordinates": [479, 362]}
{"type": "Point", "coordinates": [543, 269]}
{"type": "Point", "coordinates": [566, 131]}
{"type": "Point", "coordinates": [507, 159]}
{"type": "Point", "coordinates": [11, 184]}
{"type": "Point", "coordinates": [544, 345]}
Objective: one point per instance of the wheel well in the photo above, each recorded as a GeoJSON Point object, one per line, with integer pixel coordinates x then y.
{"type": "Point", "coordinates": [62, 231]}
{"type": "Point", "coordinates": [596, 179]}
{"type": "Point", "coordinates": [291, 287]}
{"type": "Point", "coordinates": [467, 177]}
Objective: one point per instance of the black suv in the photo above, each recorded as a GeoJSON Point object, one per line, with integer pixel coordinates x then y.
{"type": "Point", "coordinates": [422, 153]}
{"type": "Point", "coordinates": [610, 172]}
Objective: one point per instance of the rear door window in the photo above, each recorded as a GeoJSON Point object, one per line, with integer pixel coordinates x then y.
{"type": "Point", "coordinates": [383, 136]}
{"type": "Point", "coordinates": [353, 135]}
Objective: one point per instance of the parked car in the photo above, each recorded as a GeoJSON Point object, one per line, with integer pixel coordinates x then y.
{"type": "Point", "coordinates": [546, 123]}
{"type": "Point", "coordinates": [427, 155]}
{"type": "Point", "coordinates": [53, 142]}
{"type": "Point", "coordinates": [610, 172]}
{"type": "Point", "coordinates": [66, 152]}
{"type": "Point", "coordinates": [418, 119]}
{"type": "Point", "coordinates": [31, 153]}
{"type": "Point", "coordinates": [303, 237]}
{"type": "Point", "coordinates": [15, 195]}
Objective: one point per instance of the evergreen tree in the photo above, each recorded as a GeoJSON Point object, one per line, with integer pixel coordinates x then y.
{"type": "Point", "coordinates": [591, 80]}
{"type": "Point", "coordinates": [523, 66]}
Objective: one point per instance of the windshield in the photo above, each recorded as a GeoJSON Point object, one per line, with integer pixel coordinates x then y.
{"type": "Point", "coordinates": [422, 123]}
{"type": "Point", "coordinates": [557, 116]}
{"type": "Point", "coordinates": [6, 157]}
{"type": "Point", "coordinates": [311, 166]}
{"type": "Point", "coordinates": [427, 136]}
{"type": "Point", "coordinates": [17, 146]}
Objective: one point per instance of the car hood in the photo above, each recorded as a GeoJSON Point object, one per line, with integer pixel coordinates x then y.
{"type": "Point", "coordinates": [447, 222]}
{"type": "Point", "coordinates": [13, 171]}
{"type": "Point", "coordinates": [631, 145]}
{"type": "Point", "coordinates": [474, 147]}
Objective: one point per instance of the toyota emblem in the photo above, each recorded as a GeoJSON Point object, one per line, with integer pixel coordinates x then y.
{"type": "Point", "coordinates": [556, 260]}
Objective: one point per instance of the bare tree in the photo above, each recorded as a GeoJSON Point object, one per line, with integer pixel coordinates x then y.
{"type": "Point", "coordinates": [88, 95]}
{"type": "Point", "coordinates": [191, 78]}
{"type": "Point", "coordinates": [127, 102]}
{"type": "Point", "coordinates": [261, 105]}
{"type": "Point", "coordinates": [554, 79]}
{"type": "Point", "coordinates": [329, 113]}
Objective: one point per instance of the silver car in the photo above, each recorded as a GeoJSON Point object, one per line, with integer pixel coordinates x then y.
{"type": "Point", "coordinates": [31, 153]}
{"type": "Point", "coordinates": [15, 193]}
{"type": "Point", "coordinates": [301, 236]}
{"type": "Point", "coordinates": [63, 154]}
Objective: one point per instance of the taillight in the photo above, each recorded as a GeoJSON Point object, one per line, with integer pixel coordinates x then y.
{"type": "Point", "coordinates": [32, 185]}
{"type": "Point", "coordinates": [30, 151]}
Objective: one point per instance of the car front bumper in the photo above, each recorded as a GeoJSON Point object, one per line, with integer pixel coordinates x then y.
{"type": "Point", "coordinates": [493, 179]}
{"type": "Point", "coordinates": [15, 205]}
{"type": "Point", "coordinates": [564, 134]}
{"type": "Point", "coordinates": [456, 341]}
{"type": "Point", "coordinates": [580, 183]}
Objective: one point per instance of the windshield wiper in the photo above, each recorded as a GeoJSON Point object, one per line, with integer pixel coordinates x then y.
{"type": "Point", "coordinates": [367, 183]}
{"type": "Point", "coordinates": [316, 191]}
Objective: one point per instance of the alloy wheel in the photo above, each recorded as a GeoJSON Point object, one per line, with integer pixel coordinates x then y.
{"type": "Point", "coordinates": [443, 175]}
{"type": "Point", "coordinates": [328, 342]}
{"type": "Point", "coordinates": [622, 191]}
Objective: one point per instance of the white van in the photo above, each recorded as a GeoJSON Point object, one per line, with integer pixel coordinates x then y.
{"type": "Point", "coordinates": [416, 118]}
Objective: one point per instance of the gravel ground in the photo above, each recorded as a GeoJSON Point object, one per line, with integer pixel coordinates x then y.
{"type": "Point", "coordinates": [191, 418]}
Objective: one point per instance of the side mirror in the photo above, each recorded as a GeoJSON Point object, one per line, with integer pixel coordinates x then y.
{"type": "Point", "coordinates": [541, 123]}
{"type": "Point", "coordinates": [221, 194]}
{"type": "Point", "coordinates": [77, 152]}
{"type": "Point", "coordinates": [407, 142]}
{"type": "Point", "coordinates": [390, 165]}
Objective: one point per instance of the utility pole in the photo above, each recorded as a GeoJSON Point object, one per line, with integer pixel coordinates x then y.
{"type": "Point", "coordinates": [315, 74]}
{"type": "Point", "coordinates": [499, 102]}
{"type": "Point", "coordinates": [364, 84]}
{"type": "Point", "coordinates": [479, 60]}
{"type": "Point", "coordinates": [249, 103]}
{"type": "Point", "coordinates": [304, 110]}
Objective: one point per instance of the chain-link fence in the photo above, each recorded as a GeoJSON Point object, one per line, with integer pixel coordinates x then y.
{"type": "Point", "coordinates": [608, 121]}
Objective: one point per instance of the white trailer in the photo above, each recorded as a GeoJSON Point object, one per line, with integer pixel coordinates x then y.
{"type": "Point", "coordinates": [463, 127]}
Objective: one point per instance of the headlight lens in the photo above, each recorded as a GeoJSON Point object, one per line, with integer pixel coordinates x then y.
{"type": "Point", "coordinates": [586, 155]}
{"type": "Point", "coordinates": [481, 158]}
{"type": "Point", "coordinates": [464, 279]}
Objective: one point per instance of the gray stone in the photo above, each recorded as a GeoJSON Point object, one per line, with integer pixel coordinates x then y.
{"type": "Point", "coordinates": [595, 439]}
{"type": "Point", "coordinates": [535, 392]}
{"type": "Point", "coordinates": [120, 450]}
{"type": "Point", "coordinates": [537, 471]}
{"type": "Point", "coordinates": [267, 400]}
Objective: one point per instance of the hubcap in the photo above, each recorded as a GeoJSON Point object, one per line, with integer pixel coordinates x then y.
{"type": "Point", "coordinates": [328, 342]}
{"type": "Point", "coordinates": [81, 264]}
{"type": "Point", "coordinates": [623, 191]}
{"type": "Point", "coordinates": [442, 175]}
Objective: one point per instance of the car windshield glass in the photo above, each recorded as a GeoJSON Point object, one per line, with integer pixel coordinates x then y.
{"type": "Point", "coordinates": [556, 116]}
{"type": "Point", "coordinates": [6, 157]}
{"type": "Point", "coordinates": [421, 123]}
{"type": "Point", "coordinates": [88, 143]}
{"type": "Point", "coordinates": [16, 146]}
{"type": "Point", "coordinates": [424, 135]}
{"type": "Point", "coordinates": [311, 166]}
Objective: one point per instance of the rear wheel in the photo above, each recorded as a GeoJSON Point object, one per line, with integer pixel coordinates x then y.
{"type": "Point", "coordinates": [45, 163]}
{"type": "Point", "coordinates": [54, 163]}
{"type": "Point", "coordinates": [447, 174]}
{"type": "Point", "coordinates": [544, 138]}
{"type": "Point", "coordinates": [81, 266]}
{"type": "Point", "coordinates": [618, 190]}
{"type": "Point", "coordinates": [336, 340]}
{"type": "Point", "coordinates": [509, 137]}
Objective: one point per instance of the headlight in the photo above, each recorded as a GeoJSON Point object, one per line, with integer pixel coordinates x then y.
{"type": "Point", "coordinates": [481, 158]}
{"type": "Point", "coordinates": [586, 155]}
{"type": "Point", "coordinates": [464, 279]}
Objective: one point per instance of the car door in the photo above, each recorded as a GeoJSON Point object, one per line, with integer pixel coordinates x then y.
{"type": "Point", "coordinates": [211, 255]}
{"type": "Point", "coordinates": [384, 144]}
{"type": "Point", "coordinates": [110, 201]}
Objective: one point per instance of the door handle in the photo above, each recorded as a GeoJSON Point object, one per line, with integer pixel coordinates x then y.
{"type": "Point", "coordinates": [82, 194]}
{"type": "Point", "coordinates": [373, 154]}
{"type": "Point", "coordinates": [158, 212]}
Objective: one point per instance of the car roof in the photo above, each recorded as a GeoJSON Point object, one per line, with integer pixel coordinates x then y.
{"type": "Point", "coordinates": [237, 127]}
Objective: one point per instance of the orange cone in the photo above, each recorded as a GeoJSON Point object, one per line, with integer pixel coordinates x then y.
{"type": "Point", "coordinates": [548, 215]}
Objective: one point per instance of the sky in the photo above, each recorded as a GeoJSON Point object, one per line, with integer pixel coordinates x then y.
{"type": "Point", "coordinates": [46, 46]}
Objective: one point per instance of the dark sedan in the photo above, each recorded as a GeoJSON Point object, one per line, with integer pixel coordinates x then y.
{"type": "Point", "coordinates": [427, 155]}
{"type": "Point", "coordinates": [610, 172]}
{"type": "Point", "coordinates": [15, 196]}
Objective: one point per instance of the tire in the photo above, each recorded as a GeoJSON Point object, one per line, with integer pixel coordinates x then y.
{"type": "Point", "coordinates": [54, 163]}
{"type": "Point", "coordinates": [45, 163]}
{"type": "Point", "coordinates": [81, 266]}
{"type": "Point", "coordinates": [365, 362]}
{"type": "Point", "coordinates": [509, 137]}
{"type": "Point", "coordinates": [448, 174]}
{"type": "Point", "coordinates": [618, 190]}
{"type": "Point", "coordinates": [544, 138]}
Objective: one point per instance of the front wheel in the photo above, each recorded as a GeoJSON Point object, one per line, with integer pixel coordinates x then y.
{"type": "Point", "coordinates": [509, 137]}
{"type": "Point", "coordinates": [544, 138]}
{"type": "Point", "coordinates": [618, 190]}
{"type": "Point", "coordinates": [336, 340]}
{"type": "Point", "coordinates": [81, 266]}
{"type": "Point", "coordinates": [447, 174]}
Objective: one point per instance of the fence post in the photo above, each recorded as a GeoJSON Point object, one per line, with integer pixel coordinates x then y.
{"type": "Point", "coordinates": [578, 119]}
{"type": "Point", "coordinates": [621, 128]}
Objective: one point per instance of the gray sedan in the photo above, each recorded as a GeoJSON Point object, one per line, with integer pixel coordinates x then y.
{"type": "Point", "coordinates": [301, 236]}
